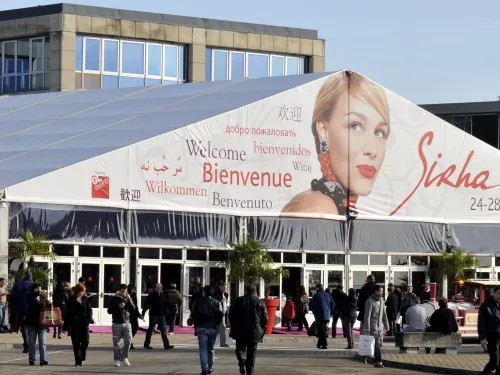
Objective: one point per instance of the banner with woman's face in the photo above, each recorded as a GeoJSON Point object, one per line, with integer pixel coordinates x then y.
{"type": "Point", "coordinates": [337, 144]}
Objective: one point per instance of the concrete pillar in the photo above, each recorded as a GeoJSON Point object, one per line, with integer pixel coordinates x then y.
{"type": "Point", "coordinates": [4, 240]}
{"type": "Point", "coordinates": [196, 52]}
{"type": "Point", "coordinates": [62, 61]}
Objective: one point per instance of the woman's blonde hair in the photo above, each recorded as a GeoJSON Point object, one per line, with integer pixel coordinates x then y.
{"type": "Point", "coordinates": [358, 86]}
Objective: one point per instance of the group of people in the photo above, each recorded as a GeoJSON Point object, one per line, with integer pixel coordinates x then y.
{"type": "Point", "coordinates": [247, 318]}
{"type": "Point", "coordinates": [373, 312]}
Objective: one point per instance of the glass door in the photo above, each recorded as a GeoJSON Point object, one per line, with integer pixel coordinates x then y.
{"type": "Point", "coordinates": [313, 277]}
{"type": "Point", "coordinates": [336, 278]}
{"type": "Point", "coordinates": [194, 279]}
{"type": "Point", "coordinates": [147, 276]}
{"type": "Point", "coordinates": [113, 275]}
{"type": "Point", "coordinates": [91, 270]}
{"type": "Point", "coordinates": [65, 271]}
{"type": "Point", "coordinates": [357, 278]}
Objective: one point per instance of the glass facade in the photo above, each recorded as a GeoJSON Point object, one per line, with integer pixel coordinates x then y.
{"type": "Point", "coordinates": [484, 127]}
{"type": "Point", "coordinates": [223, 65]}
{"type": "Point", "coordinates": [112, 63]}
{"type": "Point", "coordinates": [24, 65]}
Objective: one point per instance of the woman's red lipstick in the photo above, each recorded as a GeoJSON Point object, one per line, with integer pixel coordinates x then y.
{"type": "Point", "coordinates": [367, 171]}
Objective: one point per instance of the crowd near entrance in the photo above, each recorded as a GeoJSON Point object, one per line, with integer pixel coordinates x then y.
{"type": "Point", "coordinates": [106, 267]}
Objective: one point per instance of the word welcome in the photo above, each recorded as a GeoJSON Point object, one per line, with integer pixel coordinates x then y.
{"type": "Point", "coordinates": [198, 148]}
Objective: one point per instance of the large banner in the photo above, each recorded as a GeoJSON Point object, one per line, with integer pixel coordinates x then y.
{"type": "Point", "coordinates": [336, 142]}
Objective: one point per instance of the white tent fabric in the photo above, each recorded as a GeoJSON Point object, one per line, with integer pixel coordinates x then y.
{"type": "Point", "coordinates": [308, 146]}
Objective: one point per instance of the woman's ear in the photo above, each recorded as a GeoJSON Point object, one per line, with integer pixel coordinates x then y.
{"type": "Point", "coordinates": [322, 130]}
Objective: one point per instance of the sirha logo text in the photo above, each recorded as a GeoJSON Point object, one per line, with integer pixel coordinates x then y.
{"type": "Point", "coordinates": [100, 187]}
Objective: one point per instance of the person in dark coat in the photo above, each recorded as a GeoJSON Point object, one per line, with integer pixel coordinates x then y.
{"type": "Point", "coordinates": [397, 292]}
{"type": "Point", "coordinates": [443, 320]}
{"type": "Point", "coordinates": [77, 321]}
{"type": "Point", "coordinates": [349, 316]}
{"type": "Point", "coordinates": [59, 299]}
{"type": "Point", "coordinates": [135, 314]}
{"type": "Point", "coordinates": [366, 292]}
{"type": "Point", "coordinates": [156, 303]}
{"type": "Point", "coordinates": [207, 315]}
{"type": "Point", "coordinates": [339, 297]}
{"type": "Point", "coordinates": [488, 329]}
{"type": "Point", "coordinates": [425, 295]}
{"type": "Point", "coordinates": [302, 304]}
{"type": "Point", "coordinates": [392, 304]}
{"type": "Point", "coordinates": [248, 321]}
{"type": "Point", "coordinates": [37, 300]}
{"type": "Point", "coordinates": [322, 306]}
{"type": "Point", "coordinates": [20, 293]}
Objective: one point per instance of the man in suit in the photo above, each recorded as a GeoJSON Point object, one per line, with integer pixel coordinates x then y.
{"type": "Point", "coordinates": [248, 320]}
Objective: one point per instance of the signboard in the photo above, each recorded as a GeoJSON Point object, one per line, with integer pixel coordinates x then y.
{"type": "Point", "coordinates": [311, 151]}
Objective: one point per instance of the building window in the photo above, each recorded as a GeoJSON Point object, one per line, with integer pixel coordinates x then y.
{"type": "Point", "coordinates": [257, 65]}
{"type": "Point", "coordinates": [112, 63]}
{"type": "Point", "coordinates": [132, 58]}
{"type": "Point", "coordinates": [222, 65]}
{"type": "Point", "coordinates": [23, 65]}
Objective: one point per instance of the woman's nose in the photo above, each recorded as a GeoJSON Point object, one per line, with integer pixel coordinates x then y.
{"type": "Point", "coordinates": [370, 146]}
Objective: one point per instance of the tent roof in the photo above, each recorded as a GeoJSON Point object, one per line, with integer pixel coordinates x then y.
{"type": "Point", "coordinates": [41, 133]}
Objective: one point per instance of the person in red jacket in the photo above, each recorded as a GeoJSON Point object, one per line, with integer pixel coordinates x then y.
{"type": "Point", "coordinates": [289, 312]}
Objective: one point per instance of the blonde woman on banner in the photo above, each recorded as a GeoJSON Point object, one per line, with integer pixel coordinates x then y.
{"type": "Point", "coordinates": [350, 127]}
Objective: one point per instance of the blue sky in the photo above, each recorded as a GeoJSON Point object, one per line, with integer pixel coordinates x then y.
{"type": "Point", "coordinates": [427, 51]}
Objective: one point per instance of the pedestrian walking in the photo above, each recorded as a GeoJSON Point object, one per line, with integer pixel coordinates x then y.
{"type": "Point", "coordinates": [339, 297]}
{"type": "Point", "coordinates": [349, 316]}
{"type": "Point", "coordinates": [37, 301]}
{"type": "Point", "coordinates": [322, 307]}
{"type": "Point", "coordinates": [59, 299]}
{"type": "Point", "coordinates": [375, 321]}
{"type": "Point", "coordinates": [3, 303]}
{"type": "Point", "coordinates": [289, 313]}
{"type": "Point", "coordinates": [135, 315]}
{"type": "Point", "coordinates": [302, 308]}
{"type": "Point", "coordinates": [207, 315]}
{"type": "Point", "coordinates": [156, 304]}
{"type": "Point", "coordinates": [406, 303]}
{"type": "Point", "coordinates": [20, 294]}
{"type": "Point", "coordinates": [392, 304]}
{"type": "Point", "coordinates": [174, 302]}
{"type": "Point", "coordinates": [78, 318]}
{"type": "Point", "coordinates": [120, 308]}
{"type": "Point", "coordinates": [222, 296]}
{"type": "Point", "coordinates": [365, 293]}
{"type": "Point", "coordinates": [248, 321]}
{"type": "Point", "coordinates": [488, 329]}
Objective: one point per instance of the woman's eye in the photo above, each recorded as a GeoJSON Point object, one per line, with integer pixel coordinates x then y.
{"type": "Point", "coordinates": [379, 133]}
{"type": "Point", "coordinates": [356, 127]}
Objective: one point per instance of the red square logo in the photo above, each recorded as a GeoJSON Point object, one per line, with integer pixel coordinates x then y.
{"type": "Point", "coordinates": [100, 187]}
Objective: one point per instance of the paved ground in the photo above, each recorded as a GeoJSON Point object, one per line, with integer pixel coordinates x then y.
{"type": "Point", "coordinates": [277, 355]}
{"type": "Point", "coordinates": [185, 361]}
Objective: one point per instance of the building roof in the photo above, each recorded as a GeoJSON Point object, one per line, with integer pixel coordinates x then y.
{"type": "Point", "coordinates": [169, 19]}
{"type": "Point", "coordinates": [469, 108]}
{"type": "Point", "coordinates": [41, 133]}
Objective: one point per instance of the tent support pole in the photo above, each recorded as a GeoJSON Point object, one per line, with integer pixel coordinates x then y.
{"type": "Point", "coordinates": [4, 240]}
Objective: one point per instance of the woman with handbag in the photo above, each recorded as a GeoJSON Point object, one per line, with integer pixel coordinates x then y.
{"type": "Point", "coordinates": [78, 319]}
{"type": "Point", "coordinates": [59, 299]}
{"type": "Point", "coordinates": [302, 308]}
{"type": "Point", "coordinates": [37, 301]}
